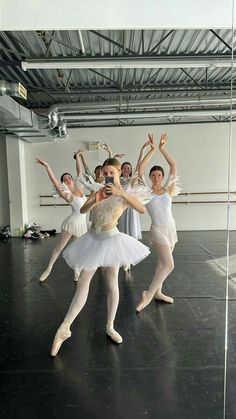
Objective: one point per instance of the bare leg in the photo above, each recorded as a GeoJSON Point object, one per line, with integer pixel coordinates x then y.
{"type": "Point", "coordinates": [112, 302]}
{"type": "Point", "coordinates": [165, 264]}
{"type": "Point", "coordinates": [63, 240]}
{"type": "Point", "coordinates": [76, 306]}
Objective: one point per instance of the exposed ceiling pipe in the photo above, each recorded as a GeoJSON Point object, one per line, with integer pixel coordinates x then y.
{"type": "Point", "coordinates": [77, 107]}
{"type": "Point", "coordinates": [150, 115]}
{"type": "Point", "coordinates": [130, 62]}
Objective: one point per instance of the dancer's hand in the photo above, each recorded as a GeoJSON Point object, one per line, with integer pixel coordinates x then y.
{"type": "Point", "coordinates": [42, 162]}
{"type": "Point", "coordinates": [110, 189]}
{"type": "Point", "coordinates": [79, 152]}
{"type": "Point", "coordinates": [119, 156]}
{"type": "Point", "coordinates": [100, 195]}
{"type": "Point", "coordinates": [162, 142]}
{"type": "Point", "coordinates": [151, 142]}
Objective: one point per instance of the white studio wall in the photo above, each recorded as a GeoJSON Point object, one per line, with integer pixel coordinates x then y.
{"type": "Point", "coordinates": [4, 193]}
{"type": "Point", "coordinates": [201, 152]}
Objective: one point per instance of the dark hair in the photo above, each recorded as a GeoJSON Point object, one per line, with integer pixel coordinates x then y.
{"type": "Point", "coordinates": [156, 168]}
{"type": "Point", "coordinates": [127, 162]}
{"type": "Point", "coordinates": [64, 175]}
{"type": "Point", "coordinates": [112, 162]}
{"type": "Point", "coordinates": [97, 167]}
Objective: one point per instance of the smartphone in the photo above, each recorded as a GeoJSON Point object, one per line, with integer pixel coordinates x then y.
{"type": "Point", "coordinates": [109, 180]}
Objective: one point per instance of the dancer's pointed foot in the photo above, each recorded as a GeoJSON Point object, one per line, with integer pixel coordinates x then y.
{"type": "Point", "coordinates": [62, 334]}
{"type": "Point", "coordinates": [146, 299]}
{"type": "Point", "coordinates": [162, 297]}
{"type": "Point", "coordinates": [111, 332]}
{"type": "Point", "coordinates": [76, 276]}
{"type": "Point", "coordinates": [44, 275]}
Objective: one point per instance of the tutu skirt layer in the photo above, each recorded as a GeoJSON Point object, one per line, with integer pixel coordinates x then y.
{"type": "Point", "coordinates": [106, 249]}
{"type": "Point", "coordinates": [164, 234]}
{"type": "Point", "coordinates": [129, 223]}
{"type": "Point", "coordinates": [75, 225]}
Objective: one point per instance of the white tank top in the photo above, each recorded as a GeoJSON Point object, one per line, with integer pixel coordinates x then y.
{"type": "Point", "coordinates": [159, 209]}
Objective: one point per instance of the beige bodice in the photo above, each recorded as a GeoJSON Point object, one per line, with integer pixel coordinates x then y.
{"type": "Point", "coordinates": [105, 214]}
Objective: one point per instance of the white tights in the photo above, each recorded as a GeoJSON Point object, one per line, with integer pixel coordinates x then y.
{"type": "Point", "coordinates": [165, 265]}
{"type": "Point", "coordinates": [63, 240]}
{"type": "Point", "coordinates": [82, 290]}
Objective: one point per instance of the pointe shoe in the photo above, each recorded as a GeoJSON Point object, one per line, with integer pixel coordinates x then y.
{"type": "Point", "coordinates": [44, 275]}
{"type": "Point", "coordinates": [146, 299]}
{"type": "Point", "coordinates": [113, 335]}
{"type": "Point", "coordinates": [162, 297]}
{"type": "Point", "coordinates": [76, 276]}
{"type": "Point", "coordinates": [62, 334]}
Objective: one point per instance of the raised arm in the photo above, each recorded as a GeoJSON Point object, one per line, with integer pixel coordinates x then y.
{"type": "Point", "coordinates": [108, 149]}
{"type": "Point", "coordinates": [150, 153]}
{"type": "Point", "coordinates": [86, 168]}
{"type": "Point", "coordinates": [171, 162]}
{"type": "Point", "coordinates": [140, 157]}
{"type": "Point", "coordinates": [77, 156]}
{"type": "Point", "coordinates": [54, 180]}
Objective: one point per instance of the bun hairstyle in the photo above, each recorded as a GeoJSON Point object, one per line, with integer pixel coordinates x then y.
{"type": "Point", "coordinates": [112, 162]}
{"type": "Point", "coordinates": [68, 174]}
{"type": "Point", "coordinates": [127, 162]}
{"type": "Point", "coordinates": [157, 168]}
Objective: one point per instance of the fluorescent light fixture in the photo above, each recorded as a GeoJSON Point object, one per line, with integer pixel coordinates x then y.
{"type": "Point", "coordinates": [128, 63]}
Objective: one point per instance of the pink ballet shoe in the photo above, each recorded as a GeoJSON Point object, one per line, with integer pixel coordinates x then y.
{"type": "Point", "coordinates": [162, 297]}
{"type": "Point", "coordinates": [44, 275]}
{"type": "Point", "coordinates": [113, 334]}
{"type": "Point", "coordinates": [76, 276]}
{"type": "Point", "coordinates": [62, 334]}
{"type": "Point", "coordinates": [146, 299]}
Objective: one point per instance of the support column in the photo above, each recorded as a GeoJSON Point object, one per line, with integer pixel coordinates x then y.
{"type": "Point", "coordinates": [16, 183]}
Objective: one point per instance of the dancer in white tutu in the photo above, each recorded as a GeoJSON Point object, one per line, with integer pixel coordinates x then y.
{"type": "Point", "coordinates": [102, 246]}
{"type": "Point", "coordinates": [129, 222]}
{"type": "Point", "coordinates": [73, 226]}
{"type": "Point", "coordinates": [163, 230]}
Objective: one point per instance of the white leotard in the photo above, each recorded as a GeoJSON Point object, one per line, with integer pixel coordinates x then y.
{"type": "Point", "coordinates": [159, 209]}
{"type": "Point", "coordinates": [76, 223]}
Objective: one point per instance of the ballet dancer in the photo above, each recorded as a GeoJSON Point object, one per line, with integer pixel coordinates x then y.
{"type": "Point", "coordinates": [163, 230]}
{"type": "Point", "coordinates": [103, 246]}
{"type": "Point", "coordinates": [73, 226]}
{"type": "Point", "coordinates": [129, 222]}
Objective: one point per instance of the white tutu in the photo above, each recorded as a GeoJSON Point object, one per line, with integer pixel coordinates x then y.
{"type": "Point", "coordinates": [75, 224]}
{"type": "Point", "coordinates": [164, 234]}
{"type": "Point", "coordinates": [129, 223]}
{"type": "Point", "coordinates": [106, 248]}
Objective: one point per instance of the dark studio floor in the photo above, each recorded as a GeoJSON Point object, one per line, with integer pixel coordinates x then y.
{"type": "Point", "coordinates": [171, 363]}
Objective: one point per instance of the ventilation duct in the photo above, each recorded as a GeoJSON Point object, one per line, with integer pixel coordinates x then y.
{"type": "Point", "coordinates": [18, 120]}
{"type": "Point", "coordinates": [12, 89]}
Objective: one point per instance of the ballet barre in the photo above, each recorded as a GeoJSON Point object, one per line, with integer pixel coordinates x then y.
{"type": "Point", "coordinates": [216, 201]}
